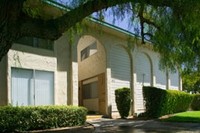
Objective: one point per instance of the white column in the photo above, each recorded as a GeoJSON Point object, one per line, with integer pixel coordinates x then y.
{"type": "Point", "coordinates": [74, 84]}
{"type": "Point", "coordinates": [154, 81]}
{"type": "Point", "coordinates": [180, 82]}
{"type": "Point", "coordinates": [74, 75]}
{"type": "Point", "coordinates": [168, 80]}
{"type": "Point", "coordinates": [109, 87]}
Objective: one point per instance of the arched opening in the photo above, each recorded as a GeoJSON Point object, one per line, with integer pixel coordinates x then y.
{"type": "Point", "coordinates": [120, 73]}
{"type": "Point", "coordinates": [143, 69]}
{"type": "Point", "coordinates": [91, 74]}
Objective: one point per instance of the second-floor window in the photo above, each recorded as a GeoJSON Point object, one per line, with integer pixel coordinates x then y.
{"type": "Point", "coordinates": [36, 42]}
{"type": "Point", "coordinates": [88, 51]}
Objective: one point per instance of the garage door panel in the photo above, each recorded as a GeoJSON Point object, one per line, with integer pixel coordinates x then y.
{"type": "Point", "coordinates": [29, 87]}
{"type": "Point", "coordinates": [20, 86]}
{"type": "Point", "coordinates": [44, 88]}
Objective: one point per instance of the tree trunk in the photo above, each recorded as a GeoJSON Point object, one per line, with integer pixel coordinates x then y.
{"type": "Point", "coordinates": [9, 26]}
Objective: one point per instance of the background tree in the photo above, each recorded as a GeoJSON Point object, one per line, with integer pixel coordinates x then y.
{"type": "Point", "coordinates": [171, 26]}
{"type": "Point", "coordinates": [191, 80]}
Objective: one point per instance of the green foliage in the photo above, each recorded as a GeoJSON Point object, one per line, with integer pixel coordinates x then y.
{"type": "Point", "coordinates": [181, 45]}
{"type": "Point", "coordinates": [123, 101]}
{"type": "Point", "coordinates": [42, 117]}
{"type": "Point", "coordinates": [196, 102]}
{"type": "Point", "coordinates": [191, 81]}
{"type": "Point", "coordinates": [35, 9]}
{"type": "Point", "coordinates": [160, 102]}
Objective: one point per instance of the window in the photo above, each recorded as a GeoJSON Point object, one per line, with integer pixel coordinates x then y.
{"type": "Point", "coordinates": [88, 51]}
{"type": "Point", "coordinates": [36, 42]}
{"type": "Point", "coordinates": [31, 87]}
{"type": "Point", "coordinates": [90, 90]}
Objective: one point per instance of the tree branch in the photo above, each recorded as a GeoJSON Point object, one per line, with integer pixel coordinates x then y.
{"type": "Point", "coordinates": [140, 15]}
{"type": "Point", "coordinates": [14, 23]}
{"type": "Point", "coordinates": [52, 29]}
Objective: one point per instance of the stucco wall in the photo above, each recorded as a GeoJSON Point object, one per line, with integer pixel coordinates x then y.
{"type": "Point", "coordinates": [55, 61]}
{"type": "Point", "coordinates": [30, 58]}
{"type": "Point", "coordinates": [111, 58]}
{"type": "Point", "coordinates": [94, 64]}
{"type": "Point", "coordinates": [61, 48]}
{"type": "Point", "coordinates": [62, 61]}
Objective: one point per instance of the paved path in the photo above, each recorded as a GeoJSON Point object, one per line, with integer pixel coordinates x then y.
{"type": "Point", "coordinates": [142, 126]}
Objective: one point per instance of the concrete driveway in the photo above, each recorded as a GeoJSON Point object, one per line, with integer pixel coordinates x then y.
{"type": "Point", "coordinates": [142, 126]}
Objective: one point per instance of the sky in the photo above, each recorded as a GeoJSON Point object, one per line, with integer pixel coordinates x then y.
{"type": "Point", "coordinates": [122, 23]}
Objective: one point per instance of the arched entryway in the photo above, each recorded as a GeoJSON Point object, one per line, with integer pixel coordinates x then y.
{"type": "Point", "coordinates": [143, 69]}
{"type": "Point", "coordinates": [91, 74]}
{"type": "Point", "coordinates": [120, 73]}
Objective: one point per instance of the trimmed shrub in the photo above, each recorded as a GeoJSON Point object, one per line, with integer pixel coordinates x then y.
{"type": "Point", "coordinates": [42, 117]}
{"type": "Point", "coordinates": [160, 102]}
{"type": "Point", "coordinates": [123, 101]}
{"type": "Point", "coordinates": [196, 102]}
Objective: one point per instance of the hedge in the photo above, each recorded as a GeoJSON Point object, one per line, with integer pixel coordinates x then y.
{"type": "Point", "coordinates": [123, 101]}
{"type": "Point", "coordinates": [196, 102]}
{"type": "Point", "coordinates": [160, 102]}
{"type": "Point", "coordinates": [14, 119]}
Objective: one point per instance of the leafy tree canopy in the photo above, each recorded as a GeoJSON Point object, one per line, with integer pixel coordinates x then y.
{"type": "Point", "coordinates": [171, 26]}
{"type": "Point", "coordinates": [191, 81]}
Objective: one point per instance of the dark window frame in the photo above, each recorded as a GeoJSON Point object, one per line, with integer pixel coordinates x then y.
{"type": "Point", "coordinates": [36, 43]}
{"type": "Point", "coordinates": [87, 52]}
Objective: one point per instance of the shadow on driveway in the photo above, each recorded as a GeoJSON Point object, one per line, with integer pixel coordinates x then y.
{"type": "Point", "coordinates": [143, 126]}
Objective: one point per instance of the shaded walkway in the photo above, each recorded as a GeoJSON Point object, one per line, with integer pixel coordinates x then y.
{"type": "Point", "coordinates": [142, 126]}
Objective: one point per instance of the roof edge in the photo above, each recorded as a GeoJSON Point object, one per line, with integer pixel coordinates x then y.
{"type": "Point", "coordinates": [103, 23]}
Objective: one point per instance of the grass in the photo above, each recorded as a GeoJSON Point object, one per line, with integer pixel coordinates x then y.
{"type": "Point", "coordinates": [190, 116]}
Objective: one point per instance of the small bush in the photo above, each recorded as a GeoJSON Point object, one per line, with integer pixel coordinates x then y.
{"type": "Point", "coordinates": [160, 102]}
{"type": "Point", "coordinates": [196, 102]}
{"type": "Point", "coordinates": [123, 101]}
{"type": "Point", "coordinates": [42, 117]}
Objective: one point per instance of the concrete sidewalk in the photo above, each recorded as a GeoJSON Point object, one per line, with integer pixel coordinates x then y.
{"type": "Point", "coordinates": [142, 126]}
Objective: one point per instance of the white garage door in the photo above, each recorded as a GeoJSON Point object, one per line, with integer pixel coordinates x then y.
{"type": "Point", "coordinates": [21, 86]}
{"type": "Point", "coordinates": [32, 87]}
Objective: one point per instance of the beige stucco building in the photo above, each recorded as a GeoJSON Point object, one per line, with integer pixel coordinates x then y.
{"type": "Point", "coordinates": [86, 72]}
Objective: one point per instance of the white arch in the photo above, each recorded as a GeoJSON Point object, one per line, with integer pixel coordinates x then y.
{"type": "Point", "coordinates": [96, 63]}
{"type": "Point", "coordinates": [144, 77]}
{"type": "Point", "coordinates": [92, 69]}
{"type": "Point", "coordinates": [120, 71]}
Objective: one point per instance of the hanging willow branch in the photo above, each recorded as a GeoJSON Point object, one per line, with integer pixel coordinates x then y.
{"type": "Point", "coordinates": [15, 23]}
{"type": "Point", "coordinates": [144, 20]}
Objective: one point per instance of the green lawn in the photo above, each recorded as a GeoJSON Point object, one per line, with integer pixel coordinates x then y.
{"type": "Point", "coordinates": [190, 116]}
